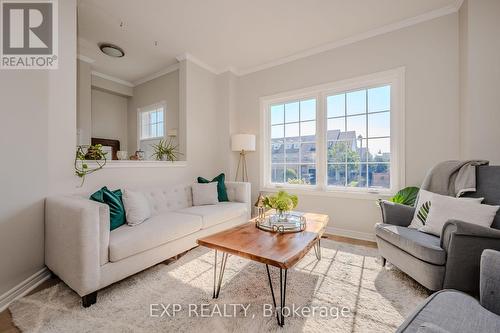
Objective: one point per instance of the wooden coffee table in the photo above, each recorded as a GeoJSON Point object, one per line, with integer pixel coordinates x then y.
{"type": "Point", "coordinates": [280, 250]}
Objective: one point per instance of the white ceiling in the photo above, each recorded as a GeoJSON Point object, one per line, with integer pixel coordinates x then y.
{"type": "Point", "coordinates": [241, 35]}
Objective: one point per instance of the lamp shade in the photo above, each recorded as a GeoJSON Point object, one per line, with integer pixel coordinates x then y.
{"type": "Point", "coordinates": [244, 142]}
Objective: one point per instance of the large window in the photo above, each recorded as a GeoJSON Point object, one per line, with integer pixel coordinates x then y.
{"type": "Point", "coordinates": [345, 136]}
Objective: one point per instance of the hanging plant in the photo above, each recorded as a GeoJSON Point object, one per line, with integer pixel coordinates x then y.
{"type": "Point", "coordinates": [85, 153]}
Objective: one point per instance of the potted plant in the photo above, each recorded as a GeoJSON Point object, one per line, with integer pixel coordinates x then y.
{"type": "Point", "coordinates": [406, 196]}
{"type": "Point", "coordinates": [166, 151]}
{"type": "Point", "coordinates": [282, 202]}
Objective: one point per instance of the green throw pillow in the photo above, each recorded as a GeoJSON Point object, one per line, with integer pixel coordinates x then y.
{"type": "Point", "coordinates": [114, 200]}
{"type": "Point", "coordinates": [221, 187]}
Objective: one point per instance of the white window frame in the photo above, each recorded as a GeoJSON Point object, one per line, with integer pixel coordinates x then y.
{"type": "Point", "coordinates": [150, 108]}
{"type": "Point", "coordinates": [394, 78]}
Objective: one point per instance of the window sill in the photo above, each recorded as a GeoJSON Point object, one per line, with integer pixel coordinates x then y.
{"type": "Point", "coordinates": [333, 193]}
{"type": "Point", "coordinates": [138, 164]}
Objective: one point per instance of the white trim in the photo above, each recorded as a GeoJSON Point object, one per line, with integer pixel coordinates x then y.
{"type": "Point", "coordinates": [169, 69]}
{"type": "Point", "coordinates": [112, 78]}
{"type": "Point", "coordinates": [85, 59]}
{"type": "Point", "coordinates": [395, 77]}
{"type": "Point", "coordinates": [115, 164]}
{"type": "Point", "coordinates": [433, 14]}
{"type": "Point", "coordinates": [314, 192]}
{"type": "Point", "coordinates": [23, 288]}
{"type": "Point", "coordinates": [350, 233]}
{"type": "Point", "coordinates": [190, 57]}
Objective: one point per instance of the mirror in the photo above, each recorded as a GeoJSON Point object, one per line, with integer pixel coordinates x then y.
{"type": "Point", "coordinates": [128, 95]}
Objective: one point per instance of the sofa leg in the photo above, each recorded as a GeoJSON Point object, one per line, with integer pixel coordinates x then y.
{"type": "Point", "coordinates": [89, 299]}
{"type": "Point", "coordinates": [383, 261]}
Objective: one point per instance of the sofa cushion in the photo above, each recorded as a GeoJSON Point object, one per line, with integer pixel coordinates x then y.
{"type": "Point", "coordinates": [215, 214]}
{"type": "Point", "coordinates": [451, 311]}
{"type": "Point", "coordinates": [126, 241]}
{"type": "Point", "coordinates": [420, 245]}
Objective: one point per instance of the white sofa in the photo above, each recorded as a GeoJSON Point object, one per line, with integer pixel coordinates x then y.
{"type": "Point", "coordinates": [81, 250]}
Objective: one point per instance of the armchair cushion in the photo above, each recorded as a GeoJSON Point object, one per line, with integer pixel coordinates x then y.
{"type": "Point", "coordinates": [452, 311]}
{"type": "Point", "coordinates": [420, 245]}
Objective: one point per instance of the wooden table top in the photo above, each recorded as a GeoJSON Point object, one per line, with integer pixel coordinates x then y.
{"type": "Point", "coordinates": [280, 250]}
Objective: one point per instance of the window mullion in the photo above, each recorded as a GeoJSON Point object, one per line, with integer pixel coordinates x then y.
{"type": "Point", "coordinates": [321, 145]}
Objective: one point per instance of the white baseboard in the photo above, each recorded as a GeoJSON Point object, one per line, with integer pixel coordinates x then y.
{"type": "Point", "coordinates": [24, 288]}
{"type": "Point", "coordinates": [350, 233]}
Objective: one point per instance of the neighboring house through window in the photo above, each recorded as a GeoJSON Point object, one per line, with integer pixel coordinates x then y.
{"type": "Point", "coordinates": [345, 136]}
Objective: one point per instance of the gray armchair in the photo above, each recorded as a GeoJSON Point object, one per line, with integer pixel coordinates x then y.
{"type": "Point", "coordinates": [449, 261]}
{"type": "Point", "coordinates": [454, 311]}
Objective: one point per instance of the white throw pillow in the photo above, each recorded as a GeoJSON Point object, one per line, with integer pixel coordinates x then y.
{"type": "Point", "coordinates": [137, 208]}
{"type": "Point", "coordinates": [424, 203]}
{"type": "Point", "coordinates": [446, 208]}
{"type": "Point", "coordinates": [205, 194]}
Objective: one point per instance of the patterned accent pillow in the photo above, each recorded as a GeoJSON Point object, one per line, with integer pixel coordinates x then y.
{"type": "Point", "coordinates": [423, 207]}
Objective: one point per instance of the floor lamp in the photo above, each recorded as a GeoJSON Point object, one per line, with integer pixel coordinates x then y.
{"type": "Point", "coordinates": [242, 143]}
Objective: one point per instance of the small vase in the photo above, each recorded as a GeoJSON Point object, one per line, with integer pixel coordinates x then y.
{"type": "Point", "coordinates": [282, 215]}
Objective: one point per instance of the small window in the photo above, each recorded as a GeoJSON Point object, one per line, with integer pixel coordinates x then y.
{"type": "Point", "coordinates": [293, 142]}
{"type": "Point", "coordinates": [152, 123]}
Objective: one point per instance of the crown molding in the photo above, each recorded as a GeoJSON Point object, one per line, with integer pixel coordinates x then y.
{"type": "Point", "coordinates": [356, 38]}
{"type": "Point", "coordinates": [153, 76]}
{"type": "Point", "coordinates": [112, 78]}
{"type": "Point", "coordinates": [190, 57]}
{"type": "Point", "coordinates": [85, 59]}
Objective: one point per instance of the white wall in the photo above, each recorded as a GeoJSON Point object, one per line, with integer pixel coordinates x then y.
{"type": "Point", "coordinates": [428, 51]}
{"type": "Point", "coordinates": [480, 79]}
{"type": "Point", "coordinates": [164, 88]}
{"type": "Point", "coordinates": [37, 138]}
{"type": "Point", "coordinates": [109, 117]}
{"type": "Point", "coordinates": [84, 103]}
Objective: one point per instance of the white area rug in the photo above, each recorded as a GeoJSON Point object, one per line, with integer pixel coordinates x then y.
{"type": "Point", "coordinates": [378, 299]}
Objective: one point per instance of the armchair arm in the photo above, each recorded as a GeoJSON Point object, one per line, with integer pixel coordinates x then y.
{"type": "Point", "coordinates": [461, 228]}
{"type": "Point", "coordinates": [464, 243]}
{"type": "Point", "coordinates": [240, 192]}
{"type": "Point", "coordinates": [76, 240]}
{"type": "Point", "coordinates": [396, 214]}
{"type": "Point", "coordinates": [489, 287]}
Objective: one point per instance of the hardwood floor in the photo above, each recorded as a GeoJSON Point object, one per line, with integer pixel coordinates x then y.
{"type": "Point", "coordinates": [7, 326]}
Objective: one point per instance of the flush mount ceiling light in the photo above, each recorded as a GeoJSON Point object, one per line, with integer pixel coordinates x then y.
{"type": "Point", "coordinates": [111, 50]}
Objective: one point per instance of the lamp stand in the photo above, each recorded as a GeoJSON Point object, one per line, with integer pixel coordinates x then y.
{"type": "Point", "coordinates": [243, 163]}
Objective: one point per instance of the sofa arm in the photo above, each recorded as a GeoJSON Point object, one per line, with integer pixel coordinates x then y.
{"type": "Point", "coordinates": [76, 230]}
{"type": "Point", "coordinates": [489, 286]}
{"type": "Point", "coordinates": [396, 214]}
{"type": "Point", "coordinates": [240, 192]}
{"type": "Point", "coordinates": [464, 243]}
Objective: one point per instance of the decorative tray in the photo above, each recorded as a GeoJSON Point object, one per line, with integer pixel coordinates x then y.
{"type": "Point", "coordinates": [291, 222]}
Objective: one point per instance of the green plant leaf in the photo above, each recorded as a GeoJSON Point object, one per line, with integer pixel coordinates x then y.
{"type": "Point", "coordinates": [406, 196]}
